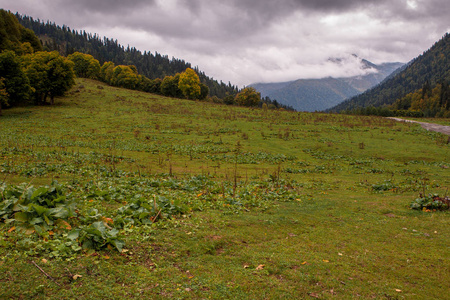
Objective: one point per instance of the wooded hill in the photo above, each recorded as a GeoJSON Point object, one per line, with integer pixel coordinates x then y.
{"type": "Point", "coordinates": [432, 67]}
{"type": "Point", "coordinates": [151, 65]}
{"type": "Point", "coordinates": [30, 75]}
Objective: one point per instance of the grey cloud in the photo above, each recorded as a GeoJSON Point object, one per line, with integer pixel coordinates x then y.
{"type": "Point", "coordinates": [244, 41]}
{"type": "Point", "coordinates": [102, 6]}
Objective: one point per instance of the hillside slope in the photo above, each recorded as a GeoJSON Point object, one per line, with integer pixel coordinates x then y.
{"type": "Point", "coordinates": [152, 65]}
{"type": "Point", "coordinates": [320, 94]}
{"type": "Point", "coordinates": [432, 66]}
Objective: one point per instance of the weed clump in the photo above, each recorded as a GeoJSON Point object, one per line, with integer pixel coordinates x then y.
{"type": "Point", "coordinates": [431, 202]}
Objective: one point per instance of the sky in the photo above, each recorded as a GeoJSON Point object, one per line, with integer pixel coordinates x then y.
{"type": "Point", "coordinates": [249, 41]}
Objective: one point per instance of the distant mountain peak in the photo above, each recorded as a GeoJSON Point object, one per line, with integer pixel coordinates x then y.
{"type": "Point", "coordinates": [353, 58]}
{"type": "Point", "coordinates": [433, 66]}
{"type": "Point", "coordinates": [321, 94]}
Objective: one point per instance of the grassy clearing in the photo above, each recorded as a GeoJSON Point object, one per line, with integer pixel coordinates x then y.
{"type": "Point", "coordinates": [213, 201]}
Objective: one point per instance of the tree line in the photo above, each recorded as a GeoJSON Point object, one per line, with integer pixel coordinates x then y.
{"type": "Point", "coordinates": [433, 66]}
{"type": "Point", "coordinates": [29, 74]}
{"type": "Point", "coordinates": [151, 65]}
{"type": "Point", "coordinates": [26, 72]}
{"type": "Point", "coordinates": [429, 101]}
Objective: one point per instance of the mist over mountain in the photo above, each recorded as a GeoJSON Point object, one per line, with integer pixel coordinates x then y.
{"type": "Point", "coordinates": [324, 93]}
{"type": "Point", "coordinates": [429, 69]}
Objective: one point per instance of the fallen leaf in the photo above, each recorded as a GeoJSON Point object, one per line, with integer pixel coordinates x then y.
{"type": "Point", "coordinates": [12, 229]}
{"type": "Point", "coordinates": [397, 290]}
{"type": "Point", "coordinates": [260, 267]}
{"type": "Point", "coordinates": [44, 260]}
{"type": "Point", "coordinates": [246, 266]}
{"type": "Point", "coordinates": [64, 224]}
{"type": "Point", "coordinates": [340, 254]}
{"type": "Point", "coordinates": [106, 257]}
{"type": "Point", "coordinates": [107, 220]}
{"type": "Point", "coordinates": [304, 263]}
{"type": "Point", "coordinates": [75, 277]}
{"type": "Point", "coordinates": [124, 250]}
{"type": "Point", "coordinates": [324, 260]}
{"type": "Point", "coordinates": [29, 231]}
{"type": "Point", "coordinates": [314, 295]}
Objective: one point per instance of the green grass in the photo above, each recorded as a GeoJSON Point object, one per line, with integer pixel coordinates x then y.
{"type": "Point", "coordinates": [247, 204]}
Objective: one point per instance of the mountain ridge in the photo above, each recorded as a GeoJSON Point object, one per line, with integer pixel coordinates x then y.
{"type": "Point", "coordinates": [323, 93]}
{"type": "Point", "coordinates": [433, 66]}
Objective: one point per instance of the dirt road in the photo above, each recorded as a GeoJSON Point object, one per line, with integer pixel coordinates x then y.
{"type": "Point", "coordinates": [428, 126]}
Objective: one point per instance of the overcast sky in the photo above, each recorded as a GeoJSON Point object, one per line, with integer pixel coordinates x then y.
{"type": "Point", "coordinates": [248, 41]}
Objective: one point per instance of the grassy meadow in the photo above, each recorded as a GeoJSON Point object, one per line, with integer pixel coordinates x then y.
{"type": "Point", "coordinates": [119, 194]}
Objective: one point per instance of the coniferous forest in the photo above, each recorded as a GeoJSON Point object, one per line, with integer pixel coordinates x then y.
{"type": "Point", "coordinates": [427, 76]}
{"type": "Point", "coordinates": [41, 61]}
{"type": "Point", "coordinates": [151, 65]}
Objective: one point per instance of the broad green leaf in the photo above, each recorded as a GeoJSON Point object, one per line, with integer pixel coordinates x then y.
{"type": "Point", "coordinates": [73, 234]}
{"type": "Point", "coordinates": [38, 193]}
{"type": "Point", "coordinates": [39, 229]}
{"type": "Point", "coordinates": [118, 244]}
{"type": "Point", "coordinates": [59, 199]}
{"type": "Point", "coordinates": [36, 221]}
{"type": "Point", "coordinates": [39, 209]}
{"type": "Point", "coordinates": [99, 226]}
{"type": "Point", "coordinates": [47, 220]}
{"type": "Point", "coordinates": [143, 215]}
{"type": "Point", "coordinates": [59, 212]}
{"type": "Point", "coordinates": [21, 216]}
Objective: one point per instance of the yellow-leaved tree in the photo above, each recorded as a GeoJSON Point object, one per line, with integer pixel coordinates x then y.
{"type": "Point", "coordinates": [189, 84]}
{"type": "Point", "coordinates": [248, 97]}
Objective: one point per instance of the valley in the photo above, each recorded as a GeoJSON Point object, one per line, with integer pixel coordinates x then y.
{"type": "Point", "coordinates": [187, 199]}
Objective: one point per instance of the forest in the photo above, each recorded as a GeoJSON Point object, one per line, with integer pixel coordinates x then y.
{"type": "Point", "coordinates": [30, 75]}
{"type": "Point", "coordinates": [429, 71]}
{"type": "Point", "coordinates": [152, 65]}
{"type": "Point", "coordinates": [428, 102]}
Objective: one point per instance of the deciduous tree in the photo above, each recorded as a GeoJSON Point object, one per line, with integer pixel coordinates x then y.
{"type": "Point", "coordinates": [85, 65]}
{"type": "Point", "coordinates": [50, 75]}
{"type": "Point", "coordinates": [248, 97]}
{"type": "Point", "coordinates": [106, 72]}
{"type": "Point", "coordinates": [169, 86]}
{"type": "Point", "coordinates": [16, 83]}
{"type": "Point", "coordinates": [125, 76]}
{"type": "Point", "coordinates": [189, 84]}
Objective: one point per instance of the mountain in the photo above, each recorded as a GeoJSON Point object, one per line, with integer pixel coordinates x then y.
{"type": "Point", "coordinates": [321, 94]}
{"type": "Point", "coordinates": [432, 68]}
{"type": "Point", "coordinates": [152, 65]}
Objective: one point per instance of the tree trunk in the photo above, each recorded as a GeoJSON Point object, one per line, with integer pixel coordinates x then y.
{"type": "Point", "coordinates": [52, 99]}
{"type": "Point", "coordinates": [0, 107]}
